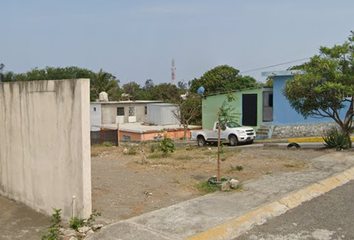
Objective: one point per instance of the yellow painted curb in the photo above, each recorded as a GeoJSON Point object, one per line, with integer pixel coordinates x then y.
{"type": "Point", "coordinates": [236, 226]}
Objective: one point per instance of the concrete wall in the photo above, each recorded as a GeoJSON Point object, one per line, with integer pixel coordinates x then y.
{"type": "Point", "coordinates": [162, 114]}
{"type": "Point", "coordinates": [95, 116]}
{"type": "Point", "coordinates": [45, 145]}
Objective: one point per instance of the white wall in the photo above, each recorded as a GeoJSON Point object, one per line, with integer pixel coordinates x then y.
{"type": "Point", "coordinates": [95, 116]}
{"type": "Point", "coordinates": [161, 114]}
{"type": "Point", "coordinates": [45, 145]}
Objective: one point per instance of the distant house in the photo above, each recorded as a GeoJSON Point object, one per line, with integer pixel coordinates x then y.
{"type": "Point", "coordinates": [283, 113]}
{"type": "Point", "coordinates": [111, 113]}
{"type": "Point", "coordinates": [267, 109]}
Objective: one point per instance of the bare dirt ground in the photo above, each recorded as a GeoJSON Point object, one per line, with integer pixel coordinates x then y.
{"type": "Point", "coordinates": [125, 185]}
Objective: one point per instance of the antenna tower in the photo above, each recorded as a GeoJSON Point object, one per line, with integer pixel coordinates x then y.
{"type": "Point", "coordinates": [173, 69]}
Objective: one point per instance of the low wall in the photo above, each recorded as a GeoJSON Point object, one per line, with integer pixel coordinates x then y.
{"type": "Point", "coordinates": [303, 130]}
{"type": "Point", "coordinates": [45, 145]}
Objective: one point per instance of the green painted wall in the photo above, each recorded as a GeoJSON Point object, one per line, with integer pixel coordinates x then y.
{"type": "Point", "coordinates": [211, 104]}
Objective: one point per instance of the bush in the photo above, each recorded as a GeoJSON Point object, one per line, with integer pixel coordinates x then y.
{"type": "Point", "coordinates": [107, 144]}
{"type": "Point", "coordinates": [132, 151]}
{"type": "Point", "coordinates": [166, 146]}
{"type": "Point", "coordinates": [335, 138]}
{"type": "Point", "coordinates": [206, 187]}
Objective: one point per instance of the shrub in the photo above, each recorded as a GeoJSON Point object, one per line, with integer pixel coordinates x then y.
{"type": "Point", "coordinates": [132, 151]}
{"type": "Point", "coordinates": [206, 187]}
{"type": "Point", "coordinates": [107, 144]}
{"type": "Point", "coordinates": [335, 138]}
{"type": "Point", "coordinates": [166, 146]}
{"type": "Point", "coordinates": [53, 230]}
{"type": "Point", "coordinates": [76, 223]}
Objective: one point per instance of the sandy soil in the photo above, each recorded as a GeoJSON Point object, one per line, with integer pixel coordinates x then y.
{"type": "Point", "coordinates": [125, 185]}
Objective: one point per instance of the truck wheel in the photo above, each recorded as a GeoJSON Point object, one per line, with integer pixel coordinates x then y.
{"type": "Point", "coordinates": [200, 141]}
{"type": "Point", "coordinates": [233, 140]}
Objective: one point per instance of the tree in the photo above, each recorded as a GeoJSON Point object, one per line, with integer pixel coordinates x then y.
{"type": "Point", "coordinates": [104, 82]}
{"type": "Point", "coordinates": [149, 84]}
{"type": "Point", "coordinates": [166, 92]}
{"type": "Point", "coordinates": [188, 110]}
{"type": "Point", "coordinates": [326, 88]}
{"type": "Point", "coordinates": [133, 90]}
{"type": "Point", "coordinates": [222, 79]}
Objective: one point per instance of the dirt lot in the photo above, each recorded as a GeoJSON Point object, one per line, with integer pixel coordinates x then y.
{"type": "Point", "coordinates": [125, 185]}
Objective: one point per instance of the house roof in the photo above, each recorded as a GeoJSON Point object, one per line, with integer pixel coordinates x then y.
{"type": "Point", "coordinates": [130, 102]}
{"type": "Point", "coordinates": [281, 73]}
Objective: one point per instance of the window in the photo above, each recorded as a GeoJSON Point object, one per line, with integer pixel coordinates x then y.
{"type": "Point", "coordinates": [120, 111]}
{"type": "Point", "coordinates": [268, 99]}
{"type": "Point", "coordinates": [131, 111]}
{"type": "Point", "coordinates": [146, 110]}
{"type": "Point", "coordinates": [94, 109]}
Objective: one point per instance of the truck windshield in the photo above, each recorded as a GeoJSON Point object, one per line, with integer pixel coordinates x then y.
{"type": "Point", "coordinates": [233, 125]}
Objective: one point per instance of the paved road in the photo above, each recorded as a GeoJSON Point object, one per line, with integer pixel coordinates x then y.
{"type": "Point", "coordinates": [328, 217]}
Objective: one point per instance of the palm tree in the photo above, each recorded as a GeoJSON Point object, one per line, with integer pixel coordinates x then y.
{"type": "Point", "coordinates": [104, 82]}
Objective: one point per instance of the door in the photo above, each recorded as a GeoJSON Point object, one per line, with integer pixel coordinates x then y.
{"type": "Point", "coordinates": [249, 109]}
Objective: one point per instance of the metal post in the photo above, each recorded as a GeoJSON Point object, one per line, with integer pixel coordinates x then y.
{"type": "Point", "coordinates": [218, 164]}
{"type": "Point", "coordinates": [118, 139]}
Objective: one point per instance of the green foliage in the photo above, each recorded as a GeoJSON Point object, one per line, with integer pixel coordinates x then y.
{"type": "Point", "coordinates": [76, 223]}
{"type": "Point", "coordinates": [132, 151]}
{"type": "Point", "coordinates": [154, 156]}
{"type": "Point", "coordinates": [227, 112]}
{"type": "Point", "coordinates": [222, 79]}
{"type": "Point", "coordinates": [53, 230]}
{"type": "Point", "coordinates": [107, 144]}
{"type": "Point", "coordinates": [93, 216]}
{"type": "Point", "coordinates": [206, 187]}
{"type": "Point", "coordinates": [166, 146]}
{"type": "Point", "coordinates": [326, 86]}
{"type": "Point", "coordinates": [335, 138]}
{"type": "Point", "coordinates": [235, 168]}
{"type": "Point", "coordinates": [104, 82]}
{"type": "Point", "coordinates": [153, 147]}
{"type": "Point", "coordinates": [189, 110]}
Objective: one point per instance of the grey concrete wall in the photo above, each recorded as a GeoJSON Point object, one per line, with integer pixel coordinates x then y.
{"type": "Point", "coordinates": [45, 145]}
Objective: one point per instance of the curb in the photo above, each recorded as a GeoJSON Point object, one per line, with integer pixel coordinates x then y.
{"type": "Point", "coordinates": [237, 226]}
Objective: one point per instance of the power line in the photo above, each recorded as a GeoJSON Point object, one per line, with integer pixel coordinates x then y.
{"type": "Point", "coordinates": [256, 69]}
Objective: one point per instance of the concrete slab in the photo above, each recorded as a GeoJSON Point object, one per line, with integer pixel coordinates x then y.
{"type": "Point", "coordinates": [18, 221]}
{"type": "Point", "coordinates": [226, 215]}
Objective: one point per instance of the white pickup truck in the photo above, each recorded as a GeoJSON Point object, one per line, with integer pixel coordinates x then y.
{"type": "Point", "coordinates": [234, 133]}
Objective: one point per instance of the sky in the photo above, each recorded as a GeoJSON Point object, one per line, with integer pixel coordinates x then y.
{"type": "Point", "coordinates": [136, 40]}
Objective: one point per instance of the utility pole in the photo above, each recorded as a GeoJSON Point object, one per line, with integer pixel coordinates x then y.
{"type": "Point", "coordinates": [173, 69]}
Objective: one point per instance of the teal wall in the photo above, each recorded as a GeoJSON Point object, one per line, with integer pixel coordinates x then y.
{"type": "Point", "coordinates": [211, 104]}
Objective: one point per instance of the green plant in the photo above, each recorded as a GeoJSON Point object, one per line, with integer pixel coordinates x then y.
{"type": "Point", "coordinates": [154, 156]}
{"type": "Point", "coordinates": [76, 223]}
{"type": "Point", "coordinates": [289, 165]}
{"type": "Point", "coordinates": [206, 187]}
{"type": "Point", "coordinates": [54, 228]}
{"type": "Point", "coordinates": [93, 216]}
{"type": "Point", "coordinates": [153, 147]}
{"type": "Point", "coordinates": [166, 146]}
{"type": "Point", "coordinates": [235, 168]}
{"type": "Point", "coordinates": [107, 144]}
{"type": "Point", "coordinates": [132, 151]}
{"type": "Point", "coordinates": [335, 138]}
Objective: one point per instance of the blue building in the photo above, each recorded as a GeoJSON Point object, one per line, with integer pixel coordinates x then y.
{"type": "Point", "coordinates": [283, 113]}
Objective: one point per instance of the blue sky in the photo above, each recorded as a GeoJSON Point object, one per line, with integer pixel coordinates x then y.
{"type": "Point", "coordinates": [136, 40]}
